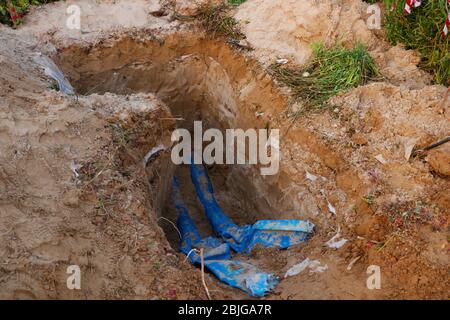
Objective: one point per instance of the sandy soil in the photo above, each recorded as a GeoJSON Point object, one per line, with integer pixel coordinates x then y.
{"type": "Point", "coordinates": [74, 189]}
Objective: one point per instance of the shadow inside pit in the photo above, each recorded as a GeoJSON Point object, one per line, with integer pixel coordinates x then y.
{"type": "Point", "coordinates": [195, 87]}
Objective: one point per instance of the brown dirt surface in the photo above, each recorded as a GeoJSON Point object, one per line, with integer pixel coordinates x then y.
{"type": "Point", "coordinates": [74, 189]}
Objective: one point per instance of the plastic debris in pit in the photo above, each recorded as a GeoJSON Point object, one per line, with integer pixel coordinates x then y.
{"type": "Point", "coordinates": [52, 70]}
{"type": "Point", "coordinates": [268, 233]}
{"type": "Point", "coordinates": [217, 254]}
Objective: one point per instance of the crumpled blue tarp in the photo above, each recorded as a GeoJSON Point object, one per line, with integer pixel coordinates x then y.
{"type": "Point", "coordinates": [217, 254]}
{"type": "Point", "coordinates": [244, 276]}
{"type": "Point", "coordinates": [268, 233]}
{"type": "Point", "coordinates": [190, 237]}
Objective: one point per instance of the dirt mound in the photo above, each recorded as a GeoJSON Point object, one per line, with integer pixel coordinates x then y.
{"type": "Point", "coordinates": [74, 191]}
{"type": "Point", "coordinates": [384, 123]}
{"type": "Point", "coordinates": [439, 160]}
{"type": "Point", "coordinates": [288, 29]}
{"type": "Point", "coordinates": [399, 199]}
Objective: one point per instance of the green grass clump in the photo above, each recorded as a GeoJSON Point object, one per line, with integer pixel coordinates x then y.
{"type": "Point", "coordinates": [217, 21]}
{"type": "Point", "coordinates": [387, 3]}
{"type": "Point", "coordinates": [236, 2]}
{"type": "Point", "coordinates": [330, 71]}
{"type": "Point", "coordinates": [421, 30]}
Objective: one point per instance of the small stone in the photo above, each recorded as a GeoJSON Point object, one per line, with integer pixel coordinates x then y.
{"type": "Point", "coordinates": [98, 220]}
{"type": "Point", "coordinates": [439, 160]}
{"type": "Point", "coordinates": [71, 199]}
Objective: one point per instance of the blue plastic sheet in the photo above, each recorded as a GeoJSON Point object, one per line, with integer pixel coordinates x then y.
{"type": "Point", "coordinates": [243, 275]}
{"type": "Point", "coordinates": [190, 237]}
{"type": "Point", "coordinates": [217, 254]}
{"type": "Point", "coordinates": [268, 233]}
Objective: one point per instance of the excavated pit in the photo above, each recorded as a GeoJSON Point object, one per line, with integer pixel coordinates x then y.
{"type": "Point", "coordinates": [199, 80]}
{"type": "Point", "coordinates": [328, 159]}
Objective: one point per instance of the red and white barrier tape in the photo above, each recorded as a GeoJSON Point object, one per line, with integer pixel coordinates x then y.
{"type": "Point", "coordinates": [447, 26]}
{"type": "Point", "coordinates": [416, 3]}
{"type": "Point", "coordinates": [447, 22]}
{"type": "Point", "coordinates": [410, 3]}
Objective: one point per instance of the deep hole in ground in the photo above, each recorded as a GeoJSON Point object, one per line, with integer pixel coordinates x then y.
{"type": "Point", "coordinates": [197, 79]}
{"type": "Point", "coordinates": [45, 132]}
